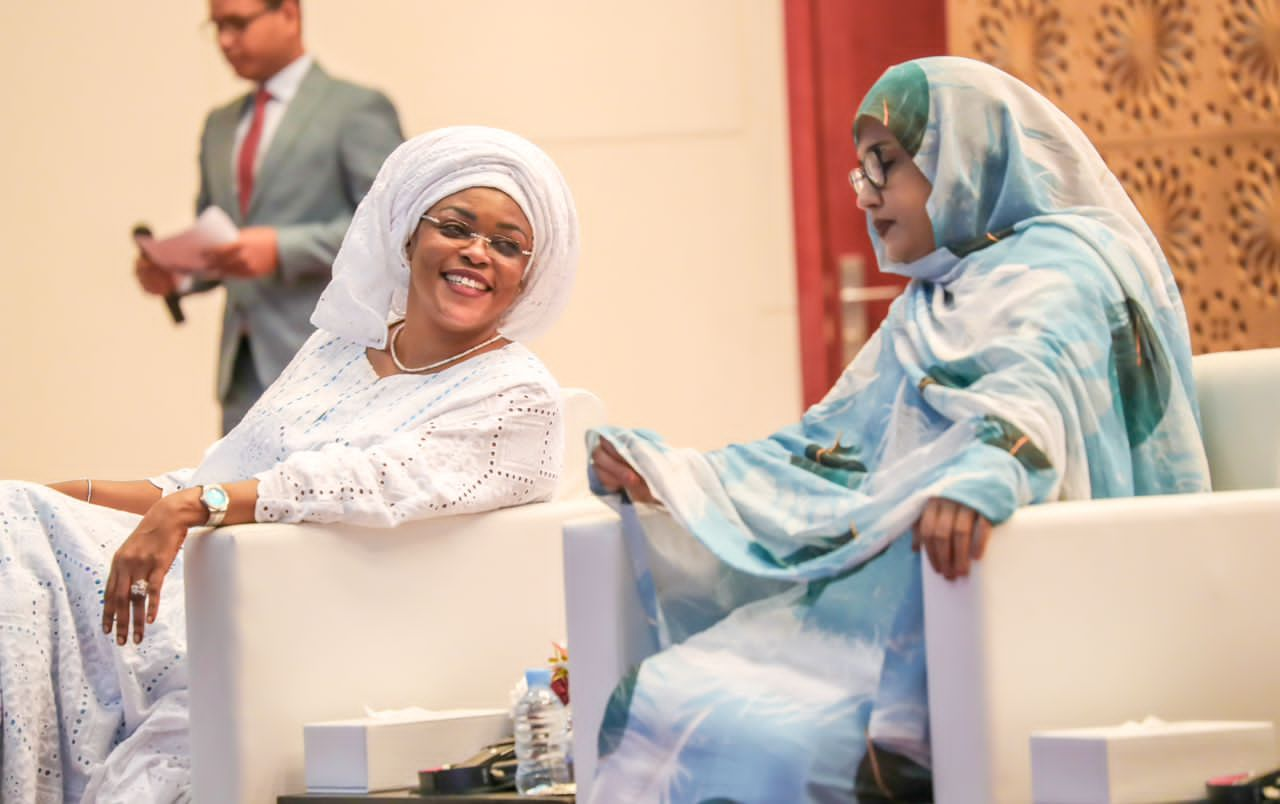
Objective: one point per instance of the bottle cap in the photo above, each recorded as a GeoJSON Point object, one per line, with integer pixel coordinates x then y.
{"type": "Point", "coordinates": [537, 677]}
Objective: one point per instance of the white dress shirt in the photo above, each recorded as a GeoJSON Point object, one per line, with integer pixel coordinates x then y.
{"type": "Point", "coordinates": [282, 86]}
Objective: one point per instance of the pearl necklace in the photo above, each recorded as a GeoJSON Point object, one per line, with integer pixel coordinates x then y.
{"type": "Point", "coordinates": [391, 349]}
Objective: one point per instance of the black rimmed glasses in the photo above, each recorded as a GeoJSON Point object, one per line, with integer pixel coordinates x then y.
{"type": "Point", "coordinates": [503, 247]}
{"type": "Point", "coordinates": [237, 24]}
{"type": "Point", "coordinates": [871, 171]}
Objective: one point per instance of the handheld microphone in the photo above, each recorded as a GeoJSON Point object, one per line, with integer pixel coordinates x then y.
{"type": "Point", "coordinates": [172, 301]}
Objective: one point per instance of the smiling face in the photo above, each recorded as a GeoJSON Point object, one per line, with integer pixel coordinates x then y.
{"type": "Point", "coordinates": [898, 211]}
{"type": "Point", "coordinates": [459, 286]}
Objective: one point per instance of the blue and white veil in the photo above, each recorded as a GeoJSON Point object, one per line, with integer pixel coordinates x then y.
{"type": "Point", "coordinates": [1041, 353]}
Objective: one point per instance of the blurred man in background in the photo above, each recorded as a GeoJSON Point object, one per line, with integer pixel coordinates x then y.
{"type": "Point", "coordinates": [288, 163]}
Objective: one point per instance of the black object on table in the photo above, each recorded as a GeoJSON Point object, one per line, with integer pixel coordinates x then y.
{"type": "Point", "coordinates": [1244, 788]}
{"type": "Point", "coordinates": [411, 794]}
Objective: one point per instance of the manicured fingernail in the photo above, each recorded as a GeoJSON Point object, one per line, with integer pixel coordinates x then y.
{"type": "Point", "coordinates": [122, 639]}
{"type": "Point", "coordinates": [137, 638]}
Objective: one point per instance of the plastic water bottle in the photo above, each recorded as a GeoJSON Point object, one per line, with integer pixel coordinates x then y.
{"type": "Point", "coordinates": [542, 738]}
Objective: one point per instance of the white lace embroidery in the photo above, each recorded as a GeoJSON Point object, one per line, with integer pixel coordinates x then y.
{"type": "Point", "coordinates": [329, 441]}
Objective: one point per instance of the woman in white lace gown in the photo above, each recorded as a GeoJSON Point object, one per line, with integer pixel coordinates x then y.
{"type": "Point", "coordinates": [413, 399]}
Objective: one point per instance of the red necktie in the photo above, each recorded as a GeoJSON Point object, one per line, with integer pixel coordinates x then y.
{"type": "Point", "coordinates": [249, 150]}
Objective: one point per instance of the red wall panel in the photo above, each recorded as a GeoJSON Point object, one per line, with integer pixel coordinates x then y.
{"type": "Point", "coordinates": [836, 49]}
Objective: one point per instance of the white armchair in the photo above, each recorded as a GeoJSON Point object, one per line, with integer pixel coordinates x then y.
{"type": "Point", "coordinates": [1081, 613]}
{"type": "Point", "coordinates": [288, 624]}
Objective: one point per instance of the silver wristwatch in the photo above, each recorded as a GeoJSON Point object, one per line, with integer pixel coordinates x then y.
{"type": "Point", "coordinates": [216, 499]}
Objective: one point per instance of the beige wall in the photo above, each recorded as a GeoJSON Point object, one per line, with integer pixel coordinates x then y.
{"type": "Point", "coordinates": [667, 116]}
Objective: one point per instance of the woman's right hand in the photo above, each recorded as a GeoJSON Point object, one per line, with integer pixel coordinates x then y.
{"type": "Point", "coordinates": [616, 474]}
{"type": "Point", "coordinates": [952, 535]}
{"type": "Point", "coordinates": [145, 558]}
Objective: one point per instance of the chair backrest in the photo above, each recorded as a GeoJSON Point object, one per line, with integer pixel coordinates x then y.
{"type": "Point", "coordinates": [1239, 396]}
{"type": "Point", "coordinates": [582, 411]}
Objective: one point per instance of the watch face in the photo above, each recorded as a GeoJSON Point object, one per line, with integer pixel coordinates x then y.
{"type": "Point", "coordinates": [215, 497]}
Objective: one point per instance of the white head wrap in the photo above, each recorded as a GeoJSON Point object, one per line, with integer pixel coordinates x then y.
{"type": "Point", "coordinates": [371, 272]}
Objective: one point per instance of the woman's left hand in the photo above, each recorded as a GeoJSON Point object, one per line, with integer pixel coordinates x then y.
{"type": "Point", "coordinates": [146, 556]}
{"type": "Point", "coordinates": [952, 535]}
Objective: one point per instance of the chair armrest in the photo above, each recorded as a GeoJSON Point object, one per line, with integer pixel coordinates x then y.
{"type": "Point", "coordinates": [1092, 613]}
{"type": "Point", "coordinates": [289, 624]}
{"type": "Point", "coordinates": [608, 633]}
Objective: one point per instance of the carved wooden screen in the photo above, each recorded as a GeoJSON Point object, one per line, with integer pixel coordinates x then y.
{"type": "Point", "coordinates": [1182, 98]}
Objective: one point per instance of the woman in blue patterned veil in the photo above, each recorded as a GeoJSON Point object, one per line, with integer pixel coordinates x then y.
{"type": "Point", "coordinates": [1039, 353]}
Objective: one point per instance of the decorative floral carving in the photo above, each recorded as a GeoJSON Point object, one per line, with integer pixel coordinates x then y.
{"type": "Point", "coordinates": [1183, 98]}
{"type": "Point", "coordinates": [1146, 51]}
{"type": "Point", "coordinates": [1027, 38]}
{"type": "Point", "coordinates": [1165, 196]}
{"type": "Point", "coordinates": [1252, 51]}
{"type": "Point", "coordinates": [1216, 322]}
{"type": "Point", "coordinates": [1254, 215]}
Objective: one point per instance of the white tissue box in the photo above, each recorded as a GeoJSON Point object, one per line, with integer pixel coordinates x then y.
{"type": "Point", "coordinates": [385, 752]}
{"type": "Point", "coordinates": [1145, 762]}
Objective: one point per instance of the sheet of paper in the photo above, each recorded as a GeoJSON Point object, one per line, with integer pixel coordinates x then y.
{"type": "Point", "coordinates": [183, 252]}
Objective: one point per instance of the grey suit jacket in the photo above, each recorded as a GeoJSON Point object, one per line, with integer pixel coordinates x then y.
{"type": "Point", "coordinates": [322, 160]}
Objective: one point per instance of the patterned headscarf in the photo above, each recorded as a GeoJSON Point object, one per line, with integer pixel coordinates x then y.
{"type": "Point", "coordinates": [371, 272]}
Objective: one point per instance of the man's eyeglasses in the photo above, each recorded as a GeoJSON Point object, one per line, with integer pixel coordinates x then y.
{"type": "Point", "coordinates": [872, 171]}
{"type": "Point", "coordinates": [503, 247]}
{"type": "Point", "coordinates": [236, 25]}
